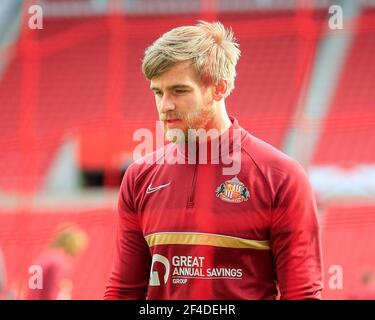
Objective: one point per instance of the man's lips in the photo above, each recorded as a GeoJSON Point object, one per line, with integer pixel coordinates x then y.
{"type": "Point", "coordinates": [172, 123]}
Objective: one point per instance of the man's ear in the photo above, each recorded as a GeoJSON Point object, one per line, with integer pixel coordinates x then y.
{"type": "Point", "coordinates": [220, 89]}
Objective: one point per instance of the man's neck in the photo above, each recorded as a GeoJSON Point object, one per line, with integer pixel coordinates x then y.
{"type": "Point", "coordinates": [221, 121]}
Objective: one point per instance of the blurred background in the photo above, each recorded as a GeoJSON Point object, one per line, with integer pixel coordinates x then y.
{"type": "Point", "coordinates": [72, 94]}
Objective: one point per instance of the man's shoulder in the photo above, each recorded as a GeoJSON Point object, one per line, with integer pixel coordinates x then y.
{"type": "Point", "coordinates": [270, 159]}
{"type": "Point", "coordinates": [147, 162]}
{"type": "Point", "coordinates": [277, 170]}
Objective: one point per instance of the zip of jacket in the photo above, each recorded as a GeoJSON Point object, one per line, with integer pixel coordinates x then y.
{"type": "Point", "coordinates": [190, 203]}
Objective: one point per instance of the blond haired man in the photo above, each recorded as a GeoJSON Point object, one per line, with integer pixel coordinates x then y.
{"type": "Point", "coordinates": [225, 216]}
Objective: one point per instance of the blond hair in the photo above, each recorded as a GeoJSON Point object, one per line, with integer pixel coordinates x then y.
{"type": "Point", "coordinates": [212, 49]}
{"type": "Point", "coordinates": [71, 239]}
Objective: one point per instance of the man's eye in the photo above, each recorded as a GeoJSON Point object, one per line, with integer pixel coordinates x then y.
{"type": "Point", "coordinates": [180, 91]}
{"type": "Point", "coordinates": [158, 93]}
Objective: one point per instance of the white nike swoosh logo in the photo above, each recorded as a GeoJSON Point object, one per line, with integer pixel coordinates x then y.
{"type": "Point", "coordinates": [151, 189]}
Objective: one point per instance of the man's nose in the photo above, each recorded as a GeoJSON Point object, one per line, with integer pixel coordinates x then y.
{"type": "Point", "coordinates": [166, 104]}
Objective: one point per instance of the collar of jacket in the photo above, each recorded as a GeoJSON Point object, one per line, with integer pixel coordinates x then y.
{"type": "Point", "coordinates": [213, 151]}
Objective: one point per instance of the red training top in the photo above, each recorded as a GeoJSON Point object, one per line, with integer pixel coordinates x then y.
{"type": "Point", "coordinates": [192, 231]}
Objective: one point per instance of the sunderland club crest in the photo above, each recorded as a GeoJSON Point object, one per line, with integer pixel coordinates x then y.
{"type": "Point", "coordinates": [233, 191]}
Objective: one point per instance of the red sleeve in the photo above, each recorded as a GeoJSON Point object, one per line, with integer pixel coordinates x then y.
{"type": "Point", "coordinates": [131, 266]}
{"type": "Point", "coordinates": [295, 237]}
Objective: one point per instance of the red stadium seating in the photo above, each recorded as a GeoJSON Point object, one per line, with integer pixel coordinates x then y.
{"type": "Point", "coordinates": [348, 238]}
{"type": "Point", "coordinates": [88, 85]}
{"type": "Point", "coordinates": [348, 132]}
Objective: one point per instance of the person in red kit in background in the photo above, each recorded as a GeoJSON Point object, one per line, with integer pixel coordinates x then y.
{"type": "Point", "coordinates": [216, 213]}
{"type": "Point", "coordinates": [2, 277]}
{"type": "Point", "coordinates": [366, 291]}
{"type": "Point", "coordinates": [57, 263]}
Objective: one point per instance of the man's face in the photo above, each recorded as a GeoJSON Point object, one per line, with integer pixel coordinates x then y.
{"type": "Point", "coordinates": [183, 101]}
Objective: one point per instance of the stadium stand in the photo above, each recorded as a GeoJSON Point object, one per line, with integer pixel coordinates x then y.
{"type": "Point", "coordinates": [75, 99]}
{"type": "Point", "coordinates": [348, 132]}
{"type": "Point", "coordinates": [348, 233]}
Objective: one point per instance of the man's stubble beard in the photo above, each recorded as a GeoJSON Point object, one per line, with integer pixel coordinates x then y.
{"type": "Point", "coordinates": [193, 121]}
